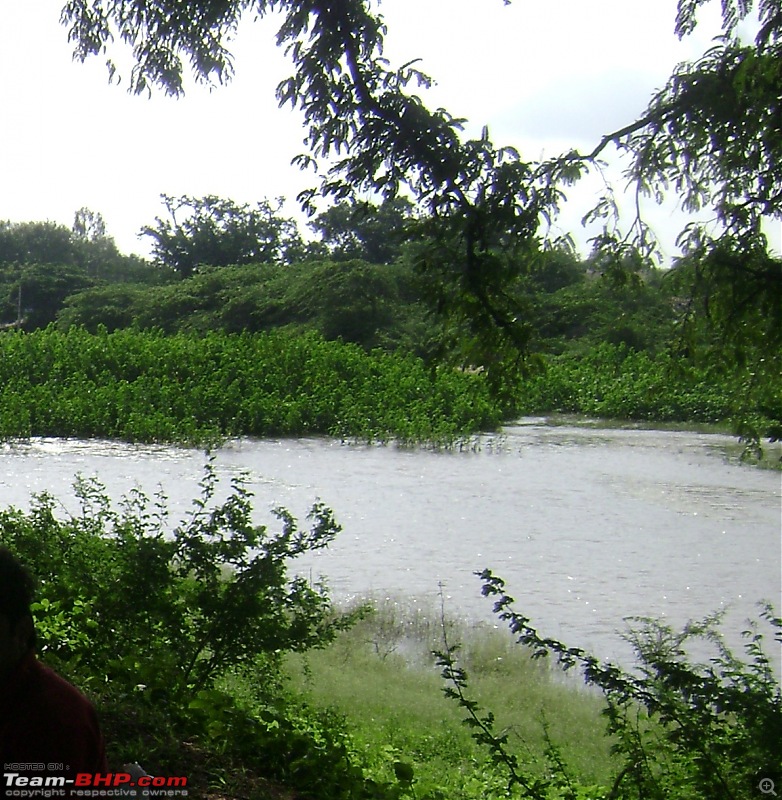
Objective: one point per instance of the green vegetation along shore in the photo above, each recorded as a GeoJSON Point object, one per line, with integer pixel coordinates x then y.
{"type": "Point", "coordinates": [353, 336]}
{"type": "Point", "coordinates": [150, 387]}
{"type": "Point", "coordinates": [186, 388]}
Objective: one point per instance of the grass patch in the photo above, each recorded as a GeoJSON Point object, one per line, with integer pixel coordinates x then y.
{"type": "Point", "coordinates": [381, 677]}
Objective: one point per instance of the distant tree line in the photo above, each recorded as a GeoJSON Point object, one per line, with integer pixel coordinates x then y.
{"type": "Point", "coordinates": [219, 265]}
{"type": "Point", "coordinates": [44, 263]}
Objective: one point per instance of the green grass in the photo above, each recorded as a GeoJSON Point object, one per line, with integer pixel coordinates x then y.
{"type": "Point", "coordinates": [381, 677]}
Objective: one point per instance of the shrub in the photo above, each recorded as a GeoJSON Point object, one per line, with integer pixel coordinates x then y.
{"type": "Point", "coordinates": [683, 731]}
{"type": "Point", "coordinates": [151, 387]}
{"type": "Point", "coordinates": [126, 601]}
{"type": "Point", "coordinates": [155, 621]}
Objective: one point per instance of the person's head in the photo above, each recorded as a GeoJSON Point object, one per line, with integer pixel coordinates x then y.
{"type": "Point", "coordinates": [17, 634]}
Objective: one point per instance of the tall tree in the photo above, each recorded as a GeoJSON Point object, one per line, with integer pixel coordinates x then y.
{"type": "Point", "coordinates": [712, 136]}
{"type": "Point", "coordinates": [89, 225]}
{"type": "Point", "coordinates": [97, 251]}
{"type": "Point", "coordinates": [212, 231]}
{"type": "Point", "coordinates": [36, 243]}
{"type": "Point", "coordinates": [364, 230]}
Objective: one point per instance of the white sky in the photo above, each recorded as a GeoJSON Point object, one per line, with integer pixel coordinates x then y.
{"type": "Point", "coordinates": [545, 77]}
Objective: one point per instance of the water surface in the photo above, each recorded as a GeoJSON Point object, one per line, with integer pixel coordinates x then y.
{"type": "Point", "coordinates": [587, 526]}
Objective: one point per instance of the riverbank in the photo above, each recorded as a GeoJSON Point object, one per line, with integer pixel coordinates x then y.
{"type": "Point", "coordinates": [147, 387]}
{"type": "Point", "coordinates": [382, 679]}
{"type": "Point", "coordinates": [615, 382]}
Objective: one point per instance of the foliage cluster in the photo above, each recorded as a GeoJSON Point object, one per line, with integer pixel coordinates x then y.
{"type": "Point", "coordinates": [681, 729]}
{"type": "Point", "coordinates": [563, 301]}
{"type": "Point", "coordinates": [709, 137]}
{"type": "Point", "coordinates": [606, 346]}
{"type": "Point", "coordinates": [43, 263]}
{"type": "Point", "coordinates": [575, 306]}
{"type": "Point", "coordinates": [362, 230]}
{"type": "Point", "coordinates": [368, 304]}
{"type": "Point", "coordinates": [147, 387]}
{"type": "Point", "coordinates": [711, 355]}
{"type": "Point", "coordinates": [151, 617]}
{"type": "Point", "coordinates": [218, 232]}
{"type": "Point", "coordinates": [188, 602]}
{"type": "Point", "coordinates": [616, 382]}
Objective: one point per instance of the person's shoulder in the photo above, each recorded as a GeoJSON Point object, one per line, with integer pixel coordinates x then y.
{"type": "Point", "coordinates": [51, 721]}
{"type": "Point", "coordinates": [59, 693]}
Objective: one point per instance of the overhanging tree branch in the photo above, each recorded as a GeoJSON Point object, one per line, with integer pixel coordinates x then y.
{"type": "Point", "coordinates": [712, 136]}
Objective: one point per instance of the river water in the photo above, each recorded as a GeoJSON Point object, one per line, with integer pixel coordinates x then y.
{"type": "Point", "coordinates": [588, 526]}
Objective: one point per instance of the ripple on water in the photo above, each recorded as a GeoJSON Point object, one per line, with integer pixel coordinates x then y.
{"type": "Point", "coordinates": [587, 526]}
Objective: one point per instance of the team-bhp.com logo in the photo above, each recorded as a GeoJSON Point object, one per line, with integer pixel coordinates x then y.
{"type": "Point", "coordinates": [94, 784]}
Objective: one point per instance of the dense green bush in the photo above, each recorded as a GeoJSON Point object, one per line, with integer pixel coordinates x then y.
{"type": "Point", "coordinates": [126, 598]}
{"type": "Point", "coordinates": [614, 381]}
{"type": "Point", "coordinates": [594, 309]}
{"type": "Point", "coordinates": [373, 305]}
{"type": "Point", "coordinates": [147, 387]}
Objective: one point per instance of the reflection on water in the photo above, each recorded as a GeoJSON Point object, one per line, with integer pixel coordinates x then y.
{"type": "Point", "coordinates": [587, 526]}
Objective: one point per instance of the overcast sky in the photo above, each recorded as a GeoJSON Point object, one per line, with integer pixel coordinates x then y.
{"type": "Point", "coordinates": [544, 77]}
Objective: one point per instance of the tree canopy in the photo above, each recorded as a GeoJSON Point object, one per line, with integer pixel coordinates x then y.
{"type": "Point", "coordinates": [213, 231]}
{"type": "Point", "coordinates": [363, 230]}
{"type": "Point", "coordinates": [711, 136]}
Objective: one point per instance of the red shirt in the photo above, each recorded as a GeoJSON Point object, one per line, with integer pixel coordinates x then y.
{"type": "Point", "coordinates": [47, 722]}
